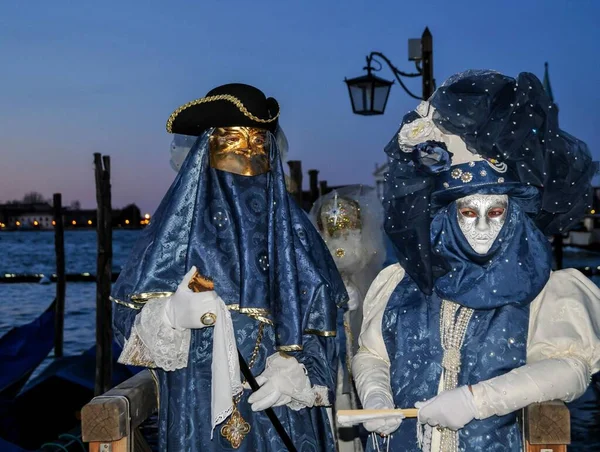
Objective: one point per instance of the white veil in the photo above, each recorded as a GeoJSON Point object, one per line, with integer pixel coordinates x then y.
{"type": "Point", "coordinates": [371, 245]}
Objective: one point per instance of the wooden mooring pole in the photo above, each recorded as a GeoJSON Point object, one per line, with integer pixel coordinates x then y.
{"type": "Point", "coordinates": [103, 276]}
{"type": "Point", "coordinates": [296, 176]}
{"type": "Point", "coordinates": [59, 247]}
{"type": "Point", "coordinates": [558, 251]}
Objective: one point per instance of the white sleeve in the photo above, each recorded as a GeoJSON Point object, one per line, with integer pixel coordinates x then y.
{"type": "Point", "coordinates": [563, 349]}
{"type": "Point", "coordinates": [371, 364]}
{"type": "Point", "coordinates": [153, 342]}
{"type": "Point", "coordinates": [565, 321]}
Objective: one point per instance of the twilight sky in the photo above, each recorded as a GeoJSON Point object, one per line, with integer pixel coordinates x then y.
{"type": "Point", "coordinates": [103, 76]}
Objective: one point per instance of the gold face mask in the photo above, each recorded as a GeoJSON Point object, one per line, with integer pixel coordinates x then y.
{"type": "Point", "coordinates": [240, 150]}
{"type": "Point", "coordinates": [338, 216]}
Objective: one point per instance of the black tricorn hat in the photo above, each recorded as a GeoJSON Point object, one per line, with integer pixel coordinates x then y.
{"type": "Point", "coordinates": [231, 105]}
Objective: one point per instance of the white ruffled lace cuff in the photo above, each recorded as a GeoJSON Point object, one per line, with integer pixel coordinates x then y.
{"type": "Point", "coordinates": [321, 395]}
{"type": "Point", "coordinates": [153, 342]}
{"type": "Point", "coordinates": [302, 397]}
{"type": "Point", "coordinates": [309, 397]}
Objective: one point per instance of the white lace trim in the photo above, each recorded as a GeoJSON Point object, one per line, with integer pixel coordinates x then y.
{"type": "Point", "coordinates": [153, 342]}
{"type": "Point", "coordinates": [303, 396]}
{"type": "Point", "coordinates": [321, 395]}
{"type": "Point", "coordinates": [220, 418]}
{"type": "Point", "coordinates": [226, 381]}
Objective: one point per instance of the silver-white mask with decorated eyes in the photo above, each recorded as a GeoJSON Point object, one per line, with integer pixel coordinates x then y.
{"type": "Point", "coordinates": [481, 218]}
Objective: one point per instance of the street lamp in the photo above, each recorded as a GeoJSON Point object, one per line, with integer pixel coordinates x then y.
{"type": "Point", "coordinates": [369, 93]}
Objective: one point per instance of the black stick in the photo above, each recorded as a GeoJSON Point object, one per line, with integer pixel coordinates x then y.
{"type": "Point", "coordinates": [270, 413]}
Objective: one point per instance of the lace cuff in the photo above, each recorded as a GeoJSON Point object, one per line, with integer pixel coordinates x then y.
{"type": "Point", "coordinates": [309, 397]}
{"type": "Point", "coordinates": [302, 397]}
{"type": "Point", "coordinates": [153, 342]}
{"type": "Point", "coordinates": [321, 394]}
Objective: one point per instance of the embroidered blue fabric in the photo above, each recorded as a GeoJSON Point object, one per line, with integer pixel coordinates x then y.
{"type": "Point", "coordinates": [508, 120]}
{"type": "Point", "coordinates": [499, 286]}
{"type": "Point", "coordinates": [238, 226]}
{"type": "Point", "coordinates": [184, 416]}
{"type": "Point", "coordinates": [264, 256]}
{"type": "Point", "coordinates": [538, 166]}
{"type": "Point", "coordinates": [512, 273]}
{"type": "Point", "coordinates": [495, 343]}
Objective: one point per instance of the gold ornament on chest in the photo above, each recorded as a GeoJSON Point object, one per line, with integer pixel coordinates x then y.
{"type": "Point", "coordinates": [236, 428]}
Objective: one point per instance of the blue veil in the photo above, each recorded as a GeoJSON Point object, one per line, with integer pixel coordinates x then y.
{"type": "Point", "coordinates": [513, 125]}
{"type": "Point", "coordinates": [231, 226]}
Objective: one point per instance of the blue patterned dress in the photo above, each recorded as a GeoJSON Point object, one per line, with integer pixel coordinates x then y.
{"type": "Point", "coordinates": [268, 264]}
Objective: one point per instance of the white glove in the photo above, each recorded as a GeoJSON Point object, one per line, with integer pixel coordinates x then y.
{"type": "Point", "coordinates": [186, 309]}
{"type": "Point", "coordinates": [378, 401]}
{"type": "Point", "coordinates": [283, 382]}
{"type": "Point", "coordinates": [558, 378]}
{"type": "Point", "coordinates": [372, 380]}
{"type": "Point", "coordinates": [452, 409]}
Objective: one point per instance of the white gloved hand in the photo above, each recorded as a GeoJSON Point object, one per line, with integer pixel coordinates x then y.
{"type": "Point", "coordinates": [452, 409]}
{"type": "Point", "coordinates": [283, 382]}
{"type": "Point", "coordinates": [186, 309]}
{"type": "Point", "coordinates": [380, 401]}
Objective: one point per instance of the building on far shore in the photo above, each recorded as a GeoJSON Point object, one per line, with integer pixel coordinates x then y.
{"type": "Point", "coordinates": [28, 216]}
{"type": "Point", "coordinates": [379, 176]}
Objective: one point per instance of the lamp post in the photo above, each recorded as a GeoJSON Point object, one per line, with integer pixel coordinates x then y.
{"type": "Point", "coordinates": [369, 93]}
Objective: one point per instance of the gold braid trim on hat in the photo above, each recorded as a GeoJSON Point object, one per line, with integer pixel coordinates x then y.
{"type": "Point", "coordinates": [229, 98]}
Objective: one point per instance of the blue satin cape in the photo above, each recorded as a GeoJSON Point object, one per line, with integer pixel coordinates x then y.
{"type": "Point", "coordinates": [247, 235]}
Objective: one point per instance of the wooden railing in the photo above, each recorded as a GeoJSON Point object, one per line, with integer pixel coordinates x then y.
{"type": "Point", "coordinates": [546, 427]}
{"type": "Point", "coordinates": [109, 423]}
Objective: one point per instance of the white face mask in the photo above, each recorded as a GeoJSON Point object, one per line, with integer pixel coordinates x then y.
{"type": "Point", "coordinates": [481, 218]}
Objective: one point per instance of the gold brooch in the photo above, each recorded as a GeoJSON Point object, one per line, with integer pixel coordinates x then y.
{"type": "Point", "coordinates": [235, 429]}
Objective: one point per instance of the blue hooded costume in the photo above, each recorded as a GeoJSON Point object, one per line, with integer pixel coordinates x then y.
{"type": "Point", "coordinates": [511, 128]}
{"type": "Point", "coordinates": [269, 266]}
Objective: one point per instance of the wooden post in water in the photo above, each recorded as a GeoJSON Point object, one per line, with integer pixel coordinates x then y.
{"type": "Point", "coordinates": [296, 176]}
{"type": "Point", "coordinates": [558, 250]}
{"type": "Point", "coordinates": [103, 276]}
{"type": "Point", "coordinates": [59, 247]}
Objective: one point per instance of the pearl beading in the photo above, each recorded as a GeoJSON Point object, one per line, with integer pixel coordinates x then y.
{"type": "Point", "coordinates": [454, 322]}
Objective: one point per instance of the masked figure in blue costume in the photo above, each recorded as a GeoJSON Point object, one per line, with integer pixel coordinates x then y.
{"type": "Point", "coordinates": [230, 262]}
{"type": "Point", "coordinates": [472, 325]}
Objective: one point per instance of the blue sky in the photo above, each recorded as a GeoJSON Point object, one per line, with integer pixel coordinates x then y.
{"type": "Point", "coordinates": [85, 77]}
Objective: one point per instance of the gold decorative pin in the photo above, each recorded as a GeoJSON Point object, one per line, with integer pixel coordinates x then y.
{"type": "Point", "coordinates": [235, 429]}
